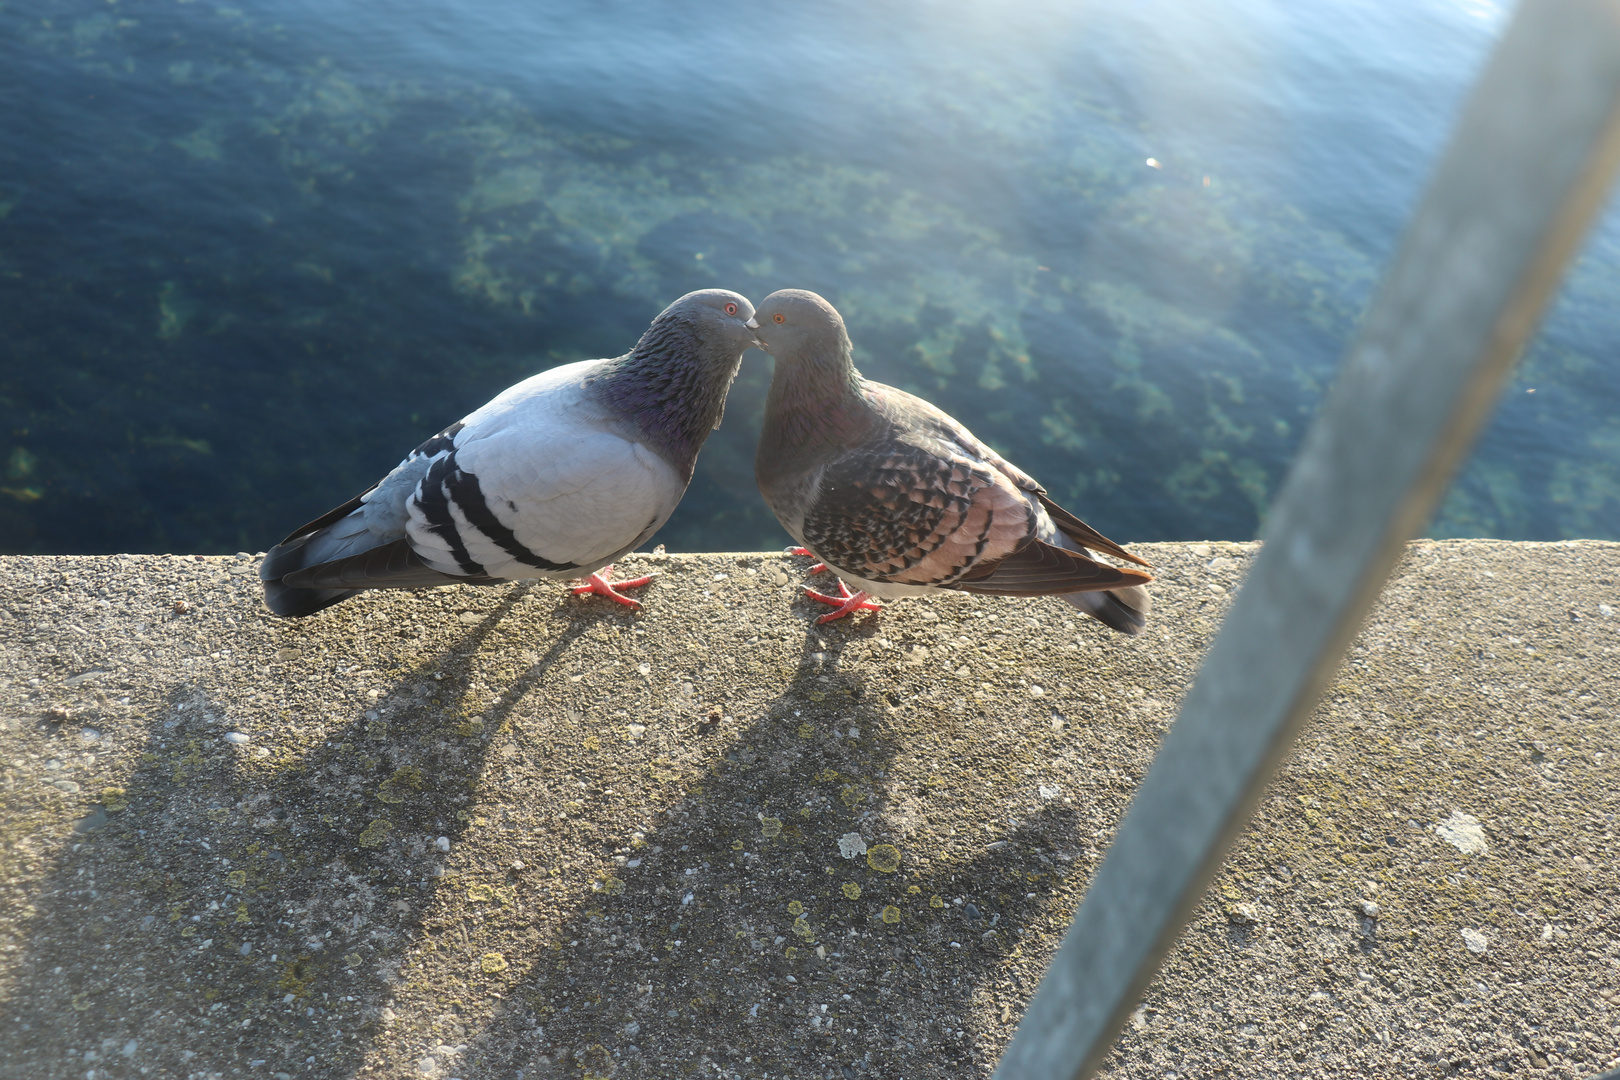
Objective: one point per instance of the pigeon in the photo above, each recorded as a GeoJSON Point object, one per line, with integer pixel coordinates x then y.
{"type": "Point", "coordinates": [899, 499]}
{"type": "Point", "coordinates": [554, 478]}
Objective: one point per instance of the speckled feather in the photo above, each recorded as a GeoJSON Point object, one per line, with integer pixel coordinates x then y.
{"type": "Point", "coordinates": [926, 504]}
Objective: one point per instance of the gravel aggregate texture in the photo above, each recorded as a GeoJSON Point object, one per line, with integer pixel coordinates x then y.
{"type": "Point", "coordinates": [501, 833]}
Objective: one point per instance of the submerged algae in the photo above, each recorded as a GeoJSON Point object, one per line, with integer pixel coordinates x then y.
{"type": "Point", "coordinates": [1148, 341]}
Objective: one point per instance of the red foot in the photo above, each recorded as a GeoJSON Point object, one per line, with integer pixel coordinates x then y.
{"type": "Point", "coordinates": [599, 584]}
{"type": "Point", "coordinates": [807, 553]}
{"type": "Point", "coordinates": [846, 602]}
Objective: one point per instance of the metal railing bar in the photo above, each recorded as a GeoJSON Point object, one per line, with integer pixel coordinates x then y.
{"type": "Point", "coordinates": [1529, 167]}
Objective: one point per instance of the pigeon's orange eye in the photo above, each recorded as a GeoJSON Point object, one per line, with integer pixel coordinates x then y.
{"type": "Point", "coordinates": [778, 317]}
{"type": "Point", "coordinates": [731, 309]}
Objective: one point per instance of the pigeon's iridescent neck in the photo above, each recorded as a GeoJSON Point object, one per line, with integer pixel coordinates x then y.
{"type": "Point", "coordinates": [672, 387]}
{"type": "Point", "coordinates": [816, 404]}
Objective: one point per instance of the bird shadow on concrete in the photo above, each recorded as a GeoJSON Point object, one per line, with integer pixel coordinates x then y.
{"type": "Point", "coordinates": [734, 938]}
{"type": "Point", "coordinates": [222, 911]}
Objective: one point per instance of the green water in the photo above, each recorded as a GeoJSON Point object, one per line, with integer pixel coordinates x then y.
{"type": "Point", "coordinates": [247, 258]}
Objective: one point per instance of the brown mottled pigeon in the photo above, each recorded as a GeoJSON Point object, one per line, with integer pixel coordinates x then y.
{"type": "Point", "coordinates": [554, 478]}
{"type": "Point", "coordinates": [899, 499]}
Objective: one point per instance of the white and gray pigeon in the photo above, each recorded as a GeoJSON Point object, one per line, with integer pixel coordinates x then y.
{"type": "Point", "coordinates": [899, 499]}
{"type": "Point", "coordinates": [555, 478]}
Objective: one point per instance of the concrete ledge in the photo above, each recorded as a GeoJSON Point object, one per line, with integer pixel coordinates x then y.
{"type": "Point", "coordinates": [500, 832]}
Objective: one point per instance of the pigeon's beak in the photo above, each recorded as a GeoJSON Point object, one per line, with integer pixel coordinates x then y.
{"type": "Point", "coordinates": [752, 324]}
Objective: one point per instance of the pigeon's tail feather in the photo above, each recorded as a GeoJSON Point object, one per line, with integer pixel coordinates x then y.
{"type": "Point", "coordinates": [291, 603]}
{"type": "Point", "coordinates": [1125, 610]}
{"type": "Point", "coordinates": [316, 542]}
{"type": "Point", "coordinates": [387, 566]}
{"type": "Point", "coordinates": [339, 534]}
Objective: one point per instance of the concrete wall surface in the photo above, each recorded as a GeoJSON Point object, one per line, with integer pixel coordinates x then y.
{"type": "Point", "coordinates": [499, 833]}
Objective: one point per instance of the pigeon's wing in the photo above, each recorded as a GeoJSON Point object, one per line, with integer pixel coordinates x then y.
{"type": "Point", "coordinates": [518, 505]}
{"type": "Point", "coordinates": [902, 513]}
{"type": "Point", "coordinates": [1042, 569]}
{"type": "Point", "coordinates": [1083, 534]}
{"type": "Point", "coordinates": [923, 418]}
{"type": "Point", "coordinates": [916, 414]}
{"type": "Point", "coordinates": [913, 511]}
{"type": "Point", "coordinates": [391, 566]}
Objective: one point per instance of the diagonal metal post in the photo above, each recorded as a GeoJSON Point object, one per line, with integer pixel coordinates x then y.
{"type": "Point", "coordinates": [1528, 168]}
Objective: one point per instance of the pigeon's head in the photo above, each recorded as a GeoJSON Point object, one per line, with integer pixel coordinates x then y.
{"type": "Point", "coordinates": [796, 324]}
{"type": "Point", "coordinates": [718, 317]}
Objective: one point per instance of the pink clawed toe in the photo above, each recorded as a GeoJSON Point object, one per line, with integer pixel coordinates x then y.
{"type": "Point", "coordinates": [846, 602]}
{"type": "Point", "coordinates": [598, 584]}
{"type": "Point", "coordinates": [807, 553]}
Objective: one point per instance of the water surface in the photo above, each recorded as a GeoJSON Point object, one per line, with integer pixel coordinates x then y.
{"type": "Point", "coordinates": [249, 256]}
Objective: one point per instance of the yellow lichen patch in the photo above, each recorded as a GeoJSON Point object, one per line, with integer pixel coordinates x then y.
{"type": "Point", "coordinates": [352, 960]}
{"type": "Point", "coordinates": [608, 884]}
{"type": "Point", "coordinates": [236, 878]}
{"type": "Point", "coordinates": [770, 826]}
{"type": "Point", "coordinates": [394, 789]}
{"type": "Point", "coordinates": [828, 776]}
{"type": "Point", "coordinates": [806, 730]}
{"type": "Point", "coordinates": [218, 814]}
{"type": "Point", "coordinates": [592, 743]}
{"type": "Point", "coordinates": [242, 918]}
{"type": "Point", "coordinates": [470, 729]}
{"type": "Point", "coordinates": [190, 931]}
{"type": "Point", "coordinates": [935, 902]}
{"type": "Point", "coordinates": [891, 914]}
{"type": "Point", "coordinates": [114, 799]}
{"type": "Point", "coordinates": [736, 845]}
{"type": "Point", "coordinates": [375, 835]}
{"type": "Point", "coordinates": [852, 891]}
{"type": "Point", "coordinates": [912, 890]}
{"type": "Point", "coordinates": [851, 796]}
{"type": "Point", "coordinates": [81, 1002]}
{"type": "Point", "coordinates": [480, 894]}
{"type": "Point", "coordinates": [801, 927]}
{"type": "Point", "coordinates": [884, 858]}
{"type": "Point", "coordinates": [189, 765]}
{"type": "Point", "coordinates": [795, 908]}
{"type": "Point", "coordinates": [790, 952]}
